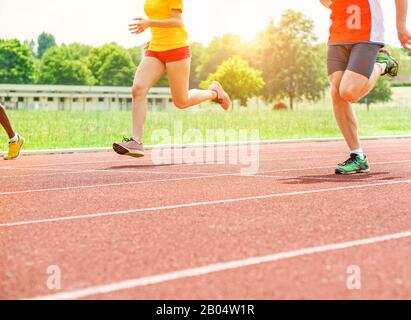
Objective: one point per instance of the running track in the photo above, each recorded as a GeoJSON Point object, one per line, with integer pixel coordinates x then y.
{"type": "Point", "coordinates": [121, 228]}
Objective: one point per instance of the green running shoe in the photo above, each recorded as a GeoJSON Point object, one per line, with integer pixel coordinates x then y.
{"type": "Point", "coordinates": [384, 56]}
{"type": "Point", "coordinates": [353, 165]}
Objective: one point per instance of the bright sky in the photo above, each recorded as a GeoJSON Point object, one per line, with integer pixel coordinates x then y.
{"type": "Point", "coordinates": [100, 21]}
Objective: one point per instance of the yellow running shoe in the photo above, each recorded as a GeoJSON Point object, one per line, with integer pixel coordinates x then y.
{"type": "Point", "coordinates": [14, 149]}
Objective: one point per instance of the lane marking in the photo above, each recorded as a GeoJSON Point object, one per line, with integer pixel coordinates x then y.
{"type": "Point", "coordinates": [331, 156]}
{"type": "Point", "coordinates": [218, 267]}
{"type": "Point", "coordinates": [262, 152]}
{"type": "Point", "coordinates": [262, 174]}
{"type": "Point", "coordinates": [74, 171]}
{"type": "Point", "coordinates": [111, 184]}
{"type": "Point", "coordinates": [198, 204]}
{"type": "Point", "coordinates": [281, 143]}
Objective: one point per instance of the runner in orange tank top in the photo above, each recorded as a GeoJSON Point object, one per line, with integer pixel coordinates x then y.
{"type": "Point", "coordinates": [356, 60]}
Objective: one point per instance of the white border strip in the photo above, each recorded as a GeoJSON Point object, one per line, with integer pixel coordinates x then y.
{"type": "Point", "coordinates": [194, 145]}
{"type": "Point", "coordinates": [219, 267]}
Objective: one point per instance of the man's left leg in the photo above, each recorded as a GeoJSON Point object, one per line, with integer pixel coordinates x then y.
{"type": "Point", "coordinates": [368, 62]}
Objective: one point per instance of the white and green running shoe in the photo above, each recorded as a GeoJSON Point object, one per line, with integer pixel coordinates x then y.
{"type": "Point", "coordinates": [353, 165]}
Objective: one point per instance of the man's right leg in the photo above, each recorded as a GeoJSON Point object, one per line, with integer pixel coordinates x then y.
{"type": "Point", "coordinates": [344, 114]}
{"type": "Point", "coordinates": [348, 123]}
{"type": "Point", "coordinates": [338, 58]}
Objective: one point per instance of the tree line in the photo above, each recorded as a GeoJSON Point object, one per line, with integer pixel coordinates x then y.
{"type": "Point", "coordinates": [284, 61]}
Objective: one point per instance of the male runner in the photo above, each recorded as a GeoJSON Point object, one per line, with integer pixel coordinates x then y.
{"type": "Point", "coordinates": [356, 60]}
{"type": "Point", "coordinates": [15, 141]}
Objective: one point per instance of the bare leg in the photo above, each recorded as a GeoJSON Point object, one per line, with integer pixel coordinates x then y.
{"type": "Point", "coordinates": [344, 114]}
{"type": "Point", "coordinates": [178, 75]}
{"type": "Point", "coordinates": [5, 122]}
{"type": "Point", "coordinates": [148, 73]}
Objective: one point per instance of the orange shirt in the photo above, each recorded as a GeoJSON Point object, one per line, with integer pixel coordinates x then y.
{"type": "Point", "coordinates": [354, 21]}
{"type": "Point", "coordinates": [164, 39]}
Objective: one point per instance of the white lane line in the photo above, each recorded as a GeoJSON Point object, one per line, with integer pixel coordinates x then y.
{"type": "Point", "coordinates": [120, 171]}
{"type": "Point", "coordinates": [198, 204]}
{"type": "Point", "coordinates": [218, 267]}
{"type": "Point", "coordinates": [184, 164]}
{"type": "Point", "coordinates": [112, 184]}
{"type": "Point", "coordinates": [262, 174]}
{"type": "Point", "coordinates": [314, 168]}
{"type": "Point", "coordinates": [74, 171]}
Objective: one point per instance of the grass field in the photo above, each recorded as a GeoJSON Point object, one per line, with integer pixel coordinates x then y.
{"type": "Point", "coordinates": [49, 130]}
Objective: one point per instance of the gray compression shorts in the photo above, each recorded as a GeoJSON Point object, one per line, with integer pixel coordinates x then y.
{"type": "Point", "coordinates": [356, 57]}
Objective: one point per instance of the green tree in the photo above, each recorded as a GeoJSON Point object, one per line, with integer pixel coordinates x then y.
{"type": "Point", "coordinates": [16, 63]}
{"type": "Point", "coordinates": [293, 65]}
{"type": "Point", "coordinates": [118, 70]}
{"type": "Point", "coordinates": [32, 45]}
{"type": "Point", "coordinates": [135, 53]}
{"type": "Point", "coordinates": [382, 92]}
{"type": "Point", "coordinates": [219, 50]}
{"type": "Point", "coordinates": [239, 80]}
{"type": "Point", "coordinates": [79, 50]}
{"type": "Point", "coordinates": [62, 66]}
{"type": "Point", "coordinates": [44, 41]}
{"type": "Point", "coordinates": [111, 65]}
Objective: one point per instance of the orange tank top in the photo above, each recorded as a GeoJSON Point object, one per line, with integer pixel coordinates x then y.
{"type": "Point", "coordinates": [354, 21]}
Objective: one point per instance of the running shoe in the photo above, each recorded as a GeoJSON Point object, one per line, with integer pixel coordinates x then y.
{"type": "Point", "coordinates": [129, 147]}
{"type": "Point", "coordinates": [353, 165]}
{"type": "Point", "coordinates": [384, 56]}
{"type": "Point", "coordinates": [223, 98]}
{"type": "Point", "coordinates": [14, 149]}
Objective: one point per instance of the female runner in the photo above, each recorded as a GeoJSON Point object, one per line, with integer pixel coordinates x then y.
{"type": "Point", "coordinates": [168, 51]}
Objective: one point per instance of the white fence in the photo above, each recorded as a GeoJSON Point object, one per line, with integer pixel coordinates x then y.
{"type": "Point", "coordinates": [77, 98]}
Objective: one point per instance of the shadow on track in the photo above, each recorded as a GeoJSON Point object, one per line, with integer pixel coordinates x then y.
{"type": "Point", "coordinates": [315, 179]}
{"type": "Point", "coordinates": [140, 166]}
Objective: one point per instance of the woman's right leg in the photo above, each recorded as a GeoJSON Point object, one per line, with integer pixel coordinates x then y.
{"type": "Point", "coordinates": [148, 73]}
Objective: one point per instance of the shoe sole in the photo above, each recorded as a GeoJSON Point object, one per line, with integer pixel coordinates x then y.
{"type": "Point", "coordinates": [125, 152]}
{"type": "Point", "coordinates": [351, 173]}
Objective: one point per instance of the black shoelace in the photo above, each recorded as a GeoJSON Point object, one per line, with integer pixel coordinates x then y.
{"type": "Point", "coordinates": [127, 139]}
{"type": "Point", "coordinates": [352, 158]}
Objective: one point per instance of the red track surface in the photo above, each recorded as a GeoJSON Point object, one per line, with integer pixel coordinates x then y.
{"type": "Point", "coordinates": [104, 219]}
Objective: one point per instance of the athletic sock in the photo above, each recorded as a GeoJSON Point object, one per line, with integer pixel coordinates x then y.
{"type": "Point", "coordinates": [383, 67]}
{"type": "Point", "coordinates": [14, 139]}
{"type": "Point", "coordinates": [359, 152]}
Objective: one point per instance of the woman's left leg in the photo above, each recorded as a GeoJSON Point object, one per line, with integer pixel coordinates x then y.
{"type": "Point", "coordinates": [179, 78]}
